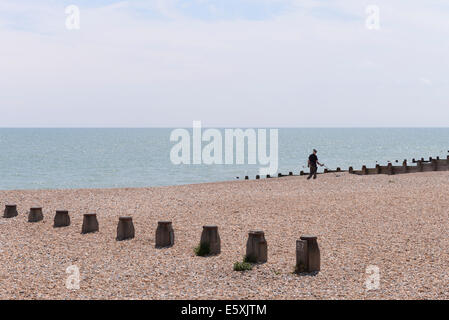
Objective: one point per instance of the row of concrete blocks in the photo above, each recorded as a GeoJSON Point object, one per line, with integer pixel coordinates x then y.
{"type": "Point", "coordinates": [433, 165]}
{"type": "Point", "coordinates": [307, 251]}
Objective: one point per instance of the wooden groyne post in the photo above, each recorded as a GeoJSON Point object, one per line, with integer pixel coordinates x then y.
{"type": "Point", "coordinates": [35, 214]}
{"type": "Point", "coordinates": [10, 211]}
{"type": "Point", "coordinates": [307, 254]}
{"type": "Point", "coordinates": [364, 170]}
{"type": "Point", "coordinates": [90, 223]}
{"type": "Point", "coordinates": [256, 247]}
{"type": "Point", "coordinates": [125, 228]}
{"type": "Point", "coordinates": [434, 163]}
{"type": "Point", "coordinates": [62, 219]}
{"type": "Point", "coordinates": [390, 169]}
{"type": "Point", "coordinates": [165, 235]}
{"type": "Point", "coordinates": [211, 239]}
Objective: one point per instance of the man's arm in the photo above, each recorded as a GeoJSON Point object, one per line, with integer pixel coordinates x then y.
{"type": "Point", "coordinates": [319, 163]}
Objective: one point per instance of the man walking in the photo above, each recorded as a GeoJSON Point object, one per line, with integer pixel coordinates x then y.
{"type": "Point", "coordinates": [313, 161]}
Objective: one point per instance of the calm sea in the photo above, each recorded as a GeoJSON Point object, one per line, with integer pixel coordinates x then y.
{"type": "Point", "coordinates": [109, 158]}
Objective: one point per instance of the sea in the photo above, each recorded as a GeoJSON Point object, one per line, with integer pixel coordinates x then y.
{"type": "Point", "coordinates": [65, 158]}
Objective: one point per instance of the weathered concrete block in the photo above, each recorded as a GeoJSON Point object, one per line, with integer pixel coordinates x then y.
{"type": "Point", "coordinates": [10, 211]}
{"type": "Point", "coordinates": [313, 254]}
{"type": "Point", "coordinates": [326, 170]}
{"type": "Point", "coordinates": [257, 177]}
{"type": "Point", "coordinates": [256, 247]}
{"type": "Point", "coordinates": [35, 214]}
{"type": "Point", "coordinates": [246, 178]}
{"type": "Point", "coordinates": [125, 228]}
{"type": "Point", "coordinates": [351, 170]}
{"type": "Point", "coordinates": [211, 238]}
{"type": "Point", "coordinates": [165, 236]}
{"type": "Point", "coordinates": [301, 173]}
{"type": "Point", "coordinates": [290, 173]}
{"type": "Point", "coordinates": [338, 169]}
{"type": "Point", "coordinates": [90, 223]}
{"type": "Point", "coordinates": [62, 219]}
{"type": "Point", "coordinates": [268, 176]}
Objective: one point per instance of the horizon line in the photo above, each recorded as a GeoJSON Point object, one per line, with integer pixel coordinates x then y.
{"type": "Point", "coordinates": [225, 127]}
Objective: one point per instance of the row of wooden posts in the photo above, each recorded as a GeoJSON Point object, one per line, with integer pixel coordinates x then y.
{"type": "Point", "coordinates": [422, 165]}
{"type": "Point", "coordinates": [290, 173]}
{"type": "Point", "coordinates": [307, 250]}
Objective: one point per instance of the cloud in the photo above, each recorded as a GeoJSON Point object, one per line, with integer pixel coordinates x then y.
{"type": "Point", "coordinates": [161, 63]}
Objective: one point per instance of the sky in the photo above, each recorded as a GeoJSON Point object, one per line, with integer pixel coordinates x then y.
{"type": "Point", "coordinates": [227, 63]}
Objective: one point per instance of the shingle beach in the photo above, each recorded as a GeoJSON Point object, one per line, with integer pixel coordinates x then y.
{"type": "Point", "coordinates": [398, 223]}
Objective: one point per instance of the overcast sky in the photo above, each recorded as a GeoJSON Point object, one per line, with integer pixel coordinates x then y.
{"type": "Point", "coordinates": [232, 63]}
